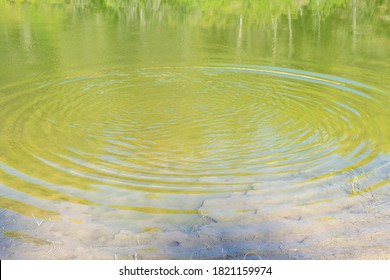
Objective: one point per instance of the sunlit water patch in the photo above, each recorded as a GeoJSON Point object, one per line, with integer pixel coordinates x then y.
{"type": "Point", "coordinates": [153, 148]}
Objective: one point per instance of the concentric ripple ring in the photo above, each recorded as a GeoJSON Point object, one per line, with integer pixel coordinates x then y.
{"type": "Point", "coordinates": [160, 140]}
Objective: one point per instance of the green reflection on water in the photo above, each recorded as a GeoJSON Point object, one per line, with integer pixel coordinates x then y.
{"type": "Point", "coordinates": [27, 209]}
{"type": "Point", "coordinates": [188, 98]}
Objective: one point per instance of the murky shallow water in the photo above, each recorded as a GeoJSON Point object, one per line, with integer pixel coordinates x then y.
{"type": "Point", "coordinates": [134, 133]}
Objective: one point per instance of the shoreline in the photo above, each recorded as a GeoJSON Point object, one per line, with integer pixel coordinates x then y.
{"type": "Point", "coordinates": [354, 227]}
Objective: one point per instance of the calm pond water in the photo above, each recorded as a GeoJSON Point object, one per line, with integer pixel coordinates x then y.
{"type": "Point", "coordinates": [163, 129]}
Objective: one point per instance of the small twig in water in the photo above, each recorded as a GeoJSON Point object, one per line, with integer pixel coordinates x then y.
{"type": "Point", "coordinates": [378, 168]}
{"type": "Point", "coordinates": [38, 222]}
{"type": "Point", "coordinates": [252, 253]}
{"type": "Point", "coordinates": [354, 185]}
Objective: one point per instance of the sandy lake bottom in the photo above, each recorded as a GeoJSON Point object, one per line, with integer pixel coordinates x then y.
{"type": "Point", "coordinates": [249, 225]}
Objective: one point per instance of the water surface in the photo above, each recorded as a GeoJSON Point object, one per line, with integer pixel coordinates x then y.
{"type": "Point", "coordinates": [157, 129]}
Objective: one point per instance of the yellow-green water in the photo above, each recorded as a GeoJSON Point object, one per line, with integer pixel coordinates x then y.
{"type": "Point", "coordinates": [138, 116]}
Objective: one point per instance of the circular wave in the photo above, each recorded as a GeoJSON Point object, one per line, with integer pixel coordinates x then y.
{"type": "Point", "coordinates": [157, 140]}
